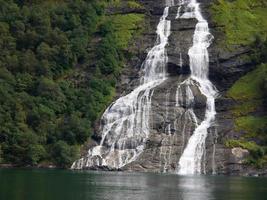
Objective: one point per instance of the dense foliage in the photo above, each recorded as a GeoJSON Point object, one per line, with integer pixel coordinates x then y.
{"type": "Point", "coordinates": [58, 69]}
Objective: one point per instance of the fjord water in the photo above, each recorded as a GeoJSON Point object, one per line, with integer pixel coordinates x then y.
{"type": "Point", "coordinates": [19, 184]}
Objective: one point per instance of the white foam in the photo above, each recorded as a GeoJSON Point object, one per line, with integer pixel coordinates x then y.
{"type": "Point", "coordinates": [125, 126]}
{"type": "Point", "coordinates": [191, 160]}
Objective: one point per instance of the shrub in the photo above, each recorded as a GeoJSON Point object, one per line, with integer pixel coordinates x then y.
{"type": "Point", "coordinates": [63, 154]}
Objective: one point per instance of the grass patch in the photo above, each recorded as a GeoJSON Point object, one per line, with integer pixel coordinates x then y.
{"type": "Point", "coordinates": [130, 4]}
{"type": "Point", "coordinates": [134, 4]}
{"type": "Point", "coordinates": [247, 107]}
{"type": "Point", "coordinates": [252, 125]}
{"type": "Point", "coordinates": [249, 91]}
{"type": "Point", "coordinates": [242, 20]}
{"type": "Point", "coordinates": [257, 156]}
{"type": "Point", "coordinates": [115, 3]}
{"type": "Point", "coordinates": [250, 146]}
{"type": "Point", "coordinates": [126, 27]}
{"type": "Point", "coordinates": [249, 86]}
{"type": "Point", "coordinates": [259, 163]}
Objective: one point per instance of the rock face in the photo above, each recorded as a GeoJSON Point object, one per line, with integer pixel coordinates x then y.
{"type": "Point", "coordinates": [170, 125]}
{"type": "Point", "coordinates": [239, 155]}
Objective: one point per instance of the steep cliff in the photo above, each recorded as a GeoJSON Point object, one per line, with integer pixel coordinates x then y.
{"type": "Point", "coordinates": [242, 77]}
{"type": "Point", "coordinates": [171, 125]}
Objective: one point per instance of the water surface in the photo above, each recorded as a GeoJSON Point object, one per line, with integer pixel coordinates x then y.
{"type": "Point", "coordinates": [26, 184]}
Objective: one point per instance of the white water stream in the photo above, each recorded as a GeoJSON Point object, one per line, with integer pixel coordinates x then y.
{"type": "Point", "coordinates": [191, 160]}
{"type": "Point", "coordinates": [125, 123]}
{"type": "Point", "coordinates": [125, 126]}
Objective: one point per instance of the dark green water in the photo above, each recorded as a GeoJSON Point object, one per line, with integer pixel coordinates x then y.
{"type": "Point", "coordinates": [19, 184]}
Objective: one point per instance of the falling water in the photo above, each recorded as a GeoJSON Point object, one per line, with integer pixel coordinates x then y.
{"type": "Point", "coordinates": [191, 159]}
{"type": "Point", "coordinates": [166, 148]}
{"type": "Point", "coordinates": [125, 123]}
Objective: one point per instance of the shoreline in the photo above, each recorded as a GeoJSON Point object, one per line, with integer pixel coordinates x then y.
{"type": "Point", "coordinates": [249, 173]}
{"type": "Point", "coordinates": [12, 166]}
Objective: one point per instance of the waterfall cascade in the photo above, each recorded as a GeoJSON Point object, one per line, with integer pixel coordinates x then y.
{"type": "Point", "coordinates": [125, 123]}
{"type": "Point", "coordinates": [125, 126]}
{"type": "Point", "coordinates": [191, 160]}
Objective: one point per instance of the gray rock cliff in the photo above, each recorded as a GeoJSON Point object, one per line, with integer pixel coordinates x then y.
{"type": "Point", "coordinates": [171, 125]}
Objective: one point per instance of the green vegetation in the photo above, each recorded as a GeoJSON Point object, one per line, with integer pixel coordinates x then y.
{"type": "Point", "coordinates": [255, 149]}
{"type": "Point", "coordinates": [244, 23]}
{"type": "Point", "coordinates": [128, 26]}
{"type": "Point", "coordinates": [250, 91]}
{"type": "Point", "coordinates": [258, 154]}
{"type": "Point", "coordinates": [134, 4]}
{"type": "Point", "coordinates": [59, 64]}
{"type": "Point", "coordinates": [250, 94]}
{"type": "Point", "coordinates": [254, 126]}
{"type": "Point", "coordinates": [250, 86]}
{"type": "Point", "coordinates": [123, 3]}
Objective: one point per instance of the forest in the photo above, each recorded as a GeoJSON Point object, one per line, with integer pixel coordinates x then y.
{"type": "Point", "coordinates": [58, 69]}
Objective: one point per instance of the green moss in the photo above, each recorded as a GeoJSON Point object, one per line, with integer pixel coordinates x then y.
{"type": "Point", "coordinates": [246, 107]}
{"type": "Point", "coordinates": [259, 163]}
{"type": "Point", "coordinates": [134, 4]}
{"type": "Point", "coordinates": [251, 146]}
{"type": "Point", "coordinates": [257, 153]}
{"type": "Point", "coordinates": [241, 20]}
{"type": "Point", "coordinates": [248, 91]}
{"type": "Point", "coordinates": [115, 3]}
{"type": "Point", "coordinates": [126, 27]}
{"type": "Point", "coordinates": [249, 86]}
{"type": "Point", "coordinates": [253, 128]}
{"type": "Point", "coordinates": [130, 4]}
{"type": "Point", "coordinates": [252, 125]}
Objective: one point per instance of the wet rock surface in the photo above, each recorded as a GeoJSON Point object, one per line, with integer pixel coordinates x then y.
{"type": "Point", "coordinates": [171, 126]}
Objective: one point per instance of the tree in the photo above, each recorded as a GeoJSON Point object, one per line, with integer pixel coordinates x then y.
{"type": "Point", "coordinates": [63, 154]}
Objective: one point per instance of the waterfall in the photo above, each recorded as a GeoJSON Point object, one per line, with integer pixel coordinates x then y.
{"type": "Point", "coordinates": [125, 123]}
{"type": "Point", "coordinates": [191, 159]}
